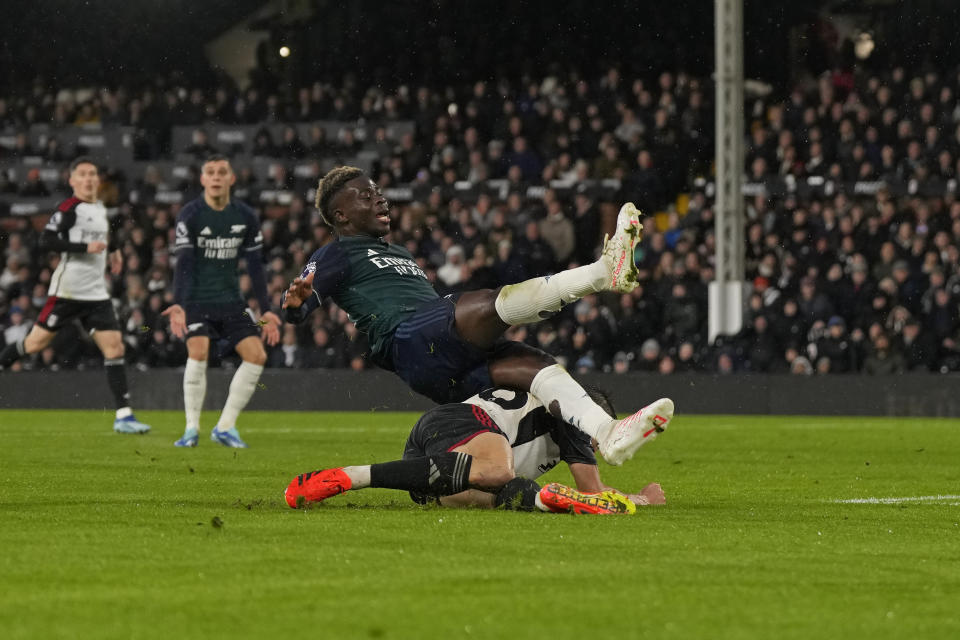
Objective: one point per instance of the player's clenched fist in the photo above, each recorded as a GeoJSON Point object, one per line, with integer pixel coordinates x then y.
{"type": "Point", "coordinates": [298, 291]}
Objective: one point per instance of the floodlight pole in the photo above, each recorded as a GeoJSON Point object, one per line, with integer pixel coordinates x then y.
{"type": "Point", "coordinates": [726, 292]}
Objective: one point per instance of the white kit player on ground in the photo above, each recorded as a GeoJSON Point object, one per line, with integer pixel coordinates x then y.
{"type": "Point", "coordinates": [486, 452]}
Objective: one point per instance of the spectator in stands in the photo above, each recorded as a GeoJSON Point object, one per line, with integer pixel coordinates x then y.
{"type": "Point", "coordinates": [649, 357]}
{"type": "Point", "coordinates": [199, 147]}
{"type": "Point", "coordinates": [621, 362]}
{"type": "Point", "coordinates": [866, 255]}
{"type": "Point", "coordinates": [288, 354]}
{"type": "Point", "coordinates": [263, 145]}
{"type": "Point", "coordinates": [837, 348]}
{"type": "Point", "coordinates": [918, 348]}
{"type": "Point", "coordinates": [33, 187]}
{"type": "Point", "coordinates": [452, 272]}
{"type": "Point", "coordinates": [557, 231]}
{"type": "Point", "coordinates": [883, 359]}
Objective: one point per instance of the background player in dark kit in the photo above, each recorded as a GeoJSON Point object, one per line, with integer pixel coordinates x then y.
{"type": "Point", "coordinates": [213, 233]}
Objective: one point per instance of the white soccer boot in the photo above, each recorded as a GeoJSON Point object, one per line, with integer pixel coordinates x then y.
{"type": "Point", "coordinates": [624, 437]}
{"type": "Point", "coordinates": [617, 254]}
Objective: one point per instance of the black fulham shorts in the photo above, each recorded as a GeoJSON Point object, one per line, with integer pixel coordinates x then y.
{"type": "Point", "coordinates": [444, 429]}
{"type": "Point", "coordinates": [94, 315]}
{"type": "Point", "coordinates": [447, 427]}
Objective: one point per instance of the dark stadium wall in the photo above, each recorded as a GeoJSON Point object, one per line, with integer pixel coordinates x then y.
{"type": "Point", "coordinates": [340, 390]}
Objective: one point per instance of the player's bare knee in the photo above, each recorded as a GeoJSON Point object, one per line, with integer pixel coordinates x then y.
{"type": "Point", "coordinates": [198, 350]}
{"type": "Point", "coordinates": [491, 475]}
{"type": "Point", "coordinates": [501, 476]}
{"type": "Point", "coordinates": [257, 357]}
{"type": "Point", "coordinates": [113, 352]}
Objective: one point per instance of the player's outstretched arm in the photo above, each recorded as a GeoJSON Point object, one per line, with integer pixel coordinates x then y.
{"type": "Point", "coordinates": [300, 299]}
{"type": "Point", "coordinates": [298, 292]}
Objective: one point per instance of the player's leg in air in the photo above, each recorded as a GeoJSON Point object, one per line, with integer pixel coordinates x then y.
{"type": "Point", "coordinates": [36, 341]}
{"type": "Point", "coordinates": [482, 317]}
{"type": "Point", "coordinates": [455, 455]}
{"type": "Point", "coordinates": [102, 321]}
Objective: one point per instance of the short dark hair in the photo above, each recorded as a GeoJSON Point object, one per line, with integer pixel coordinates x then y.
{"type": "Point", "coordinates": [330, 185]}
{"type": "Point", "coordinates": [215, 157]}
{"type": "Point", "coordinates": [83, 160]}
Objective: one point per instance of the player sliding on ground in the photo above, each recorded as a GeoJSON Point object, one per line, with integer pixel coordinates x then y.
{"type": "Point", "coordinates": [486, 452]}
{"type": "Point", "coordinates": [450, 348]}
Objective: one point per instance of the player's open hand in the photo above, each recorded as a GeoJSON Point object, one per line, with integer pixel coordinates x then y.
{"type": "Point", "coordinates": [96, 246]}
{"type": "Point", "coordinates": [271, 324]}
{"type": "Point", "coordinates": [178, 320]}
{"type": "Point", "coordinates": [300, 289]}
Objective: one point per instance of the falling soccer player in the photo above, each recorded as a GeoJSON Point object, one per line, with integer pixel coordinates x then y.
{"type": "Point", "coordinates": [213, 233]}
{"type": "Point", "coordinates": [80, 230]}
{"type": "Point", "coordinates": [487, 452]}
{"type": "Point", "coordinates": [451, 348]}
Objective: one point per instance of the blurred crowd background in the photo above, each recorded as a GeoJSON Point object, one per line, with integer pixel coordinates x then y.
{"type": "Point", "coordinates": [852, 235]}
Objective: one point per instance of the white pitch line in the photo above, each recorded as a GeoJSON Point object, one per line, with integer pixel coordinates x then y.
{"type": "Point", "coordinates": [898, 500]}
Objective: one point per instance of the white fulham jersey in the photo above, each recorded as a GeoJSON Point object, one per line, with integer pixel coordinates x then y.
{"type": "Point", "coordinates": [539, 440]}
{"type": "Point", "coordinates": [80, 276]}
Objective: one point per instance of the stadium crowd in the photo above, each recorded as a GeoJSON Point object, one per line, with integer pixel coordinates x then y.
{"type": "Point", "coordinates": [841, 280]}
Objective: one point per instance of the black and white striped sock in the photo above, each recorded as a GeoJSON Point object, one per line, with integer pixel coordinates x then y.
{"type": "Point", "coordinates": [439, 475]}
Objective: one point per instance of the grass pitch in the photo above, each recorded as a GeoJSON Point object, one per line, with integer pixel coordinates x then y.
{"type": "Point", "coordinates": [111, 536]}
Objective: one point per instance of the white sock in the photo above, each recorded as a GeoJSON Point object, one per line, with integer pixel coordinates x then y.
{"type": "Point", "coordinates": [242, 386]}
{"type": "Point", "coordinates": [123, 412]}
{"type": "Point", "coordinates": [359, 476]}
{"type": "Point", "coordinates": [554, 385]}
{"type": "Point", "coordinates": [533, 300]}
{"type": "Point", "coordinates": [194, 391]}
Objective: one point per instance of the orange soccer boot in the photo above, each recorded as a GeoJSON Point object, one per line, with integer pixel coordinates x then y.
{"type": "Point", "coordinates": [316, 486]}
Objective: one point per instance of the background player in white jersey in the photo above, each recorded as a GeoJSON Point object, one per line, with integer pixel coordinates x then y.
{"type": "Point", "coordinates": [79, 230]}
{"type": "Point", "coordinates": [486, 452]}
{"type": "Point", "coordinates": [213, 234]}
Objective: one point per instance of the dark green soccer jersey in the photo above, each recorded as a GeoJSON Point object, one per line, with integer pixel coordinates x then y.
{"type": "Point", "coordinates": [377, 283]}
{"type": "Point", "coordinates": [217, 240]}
